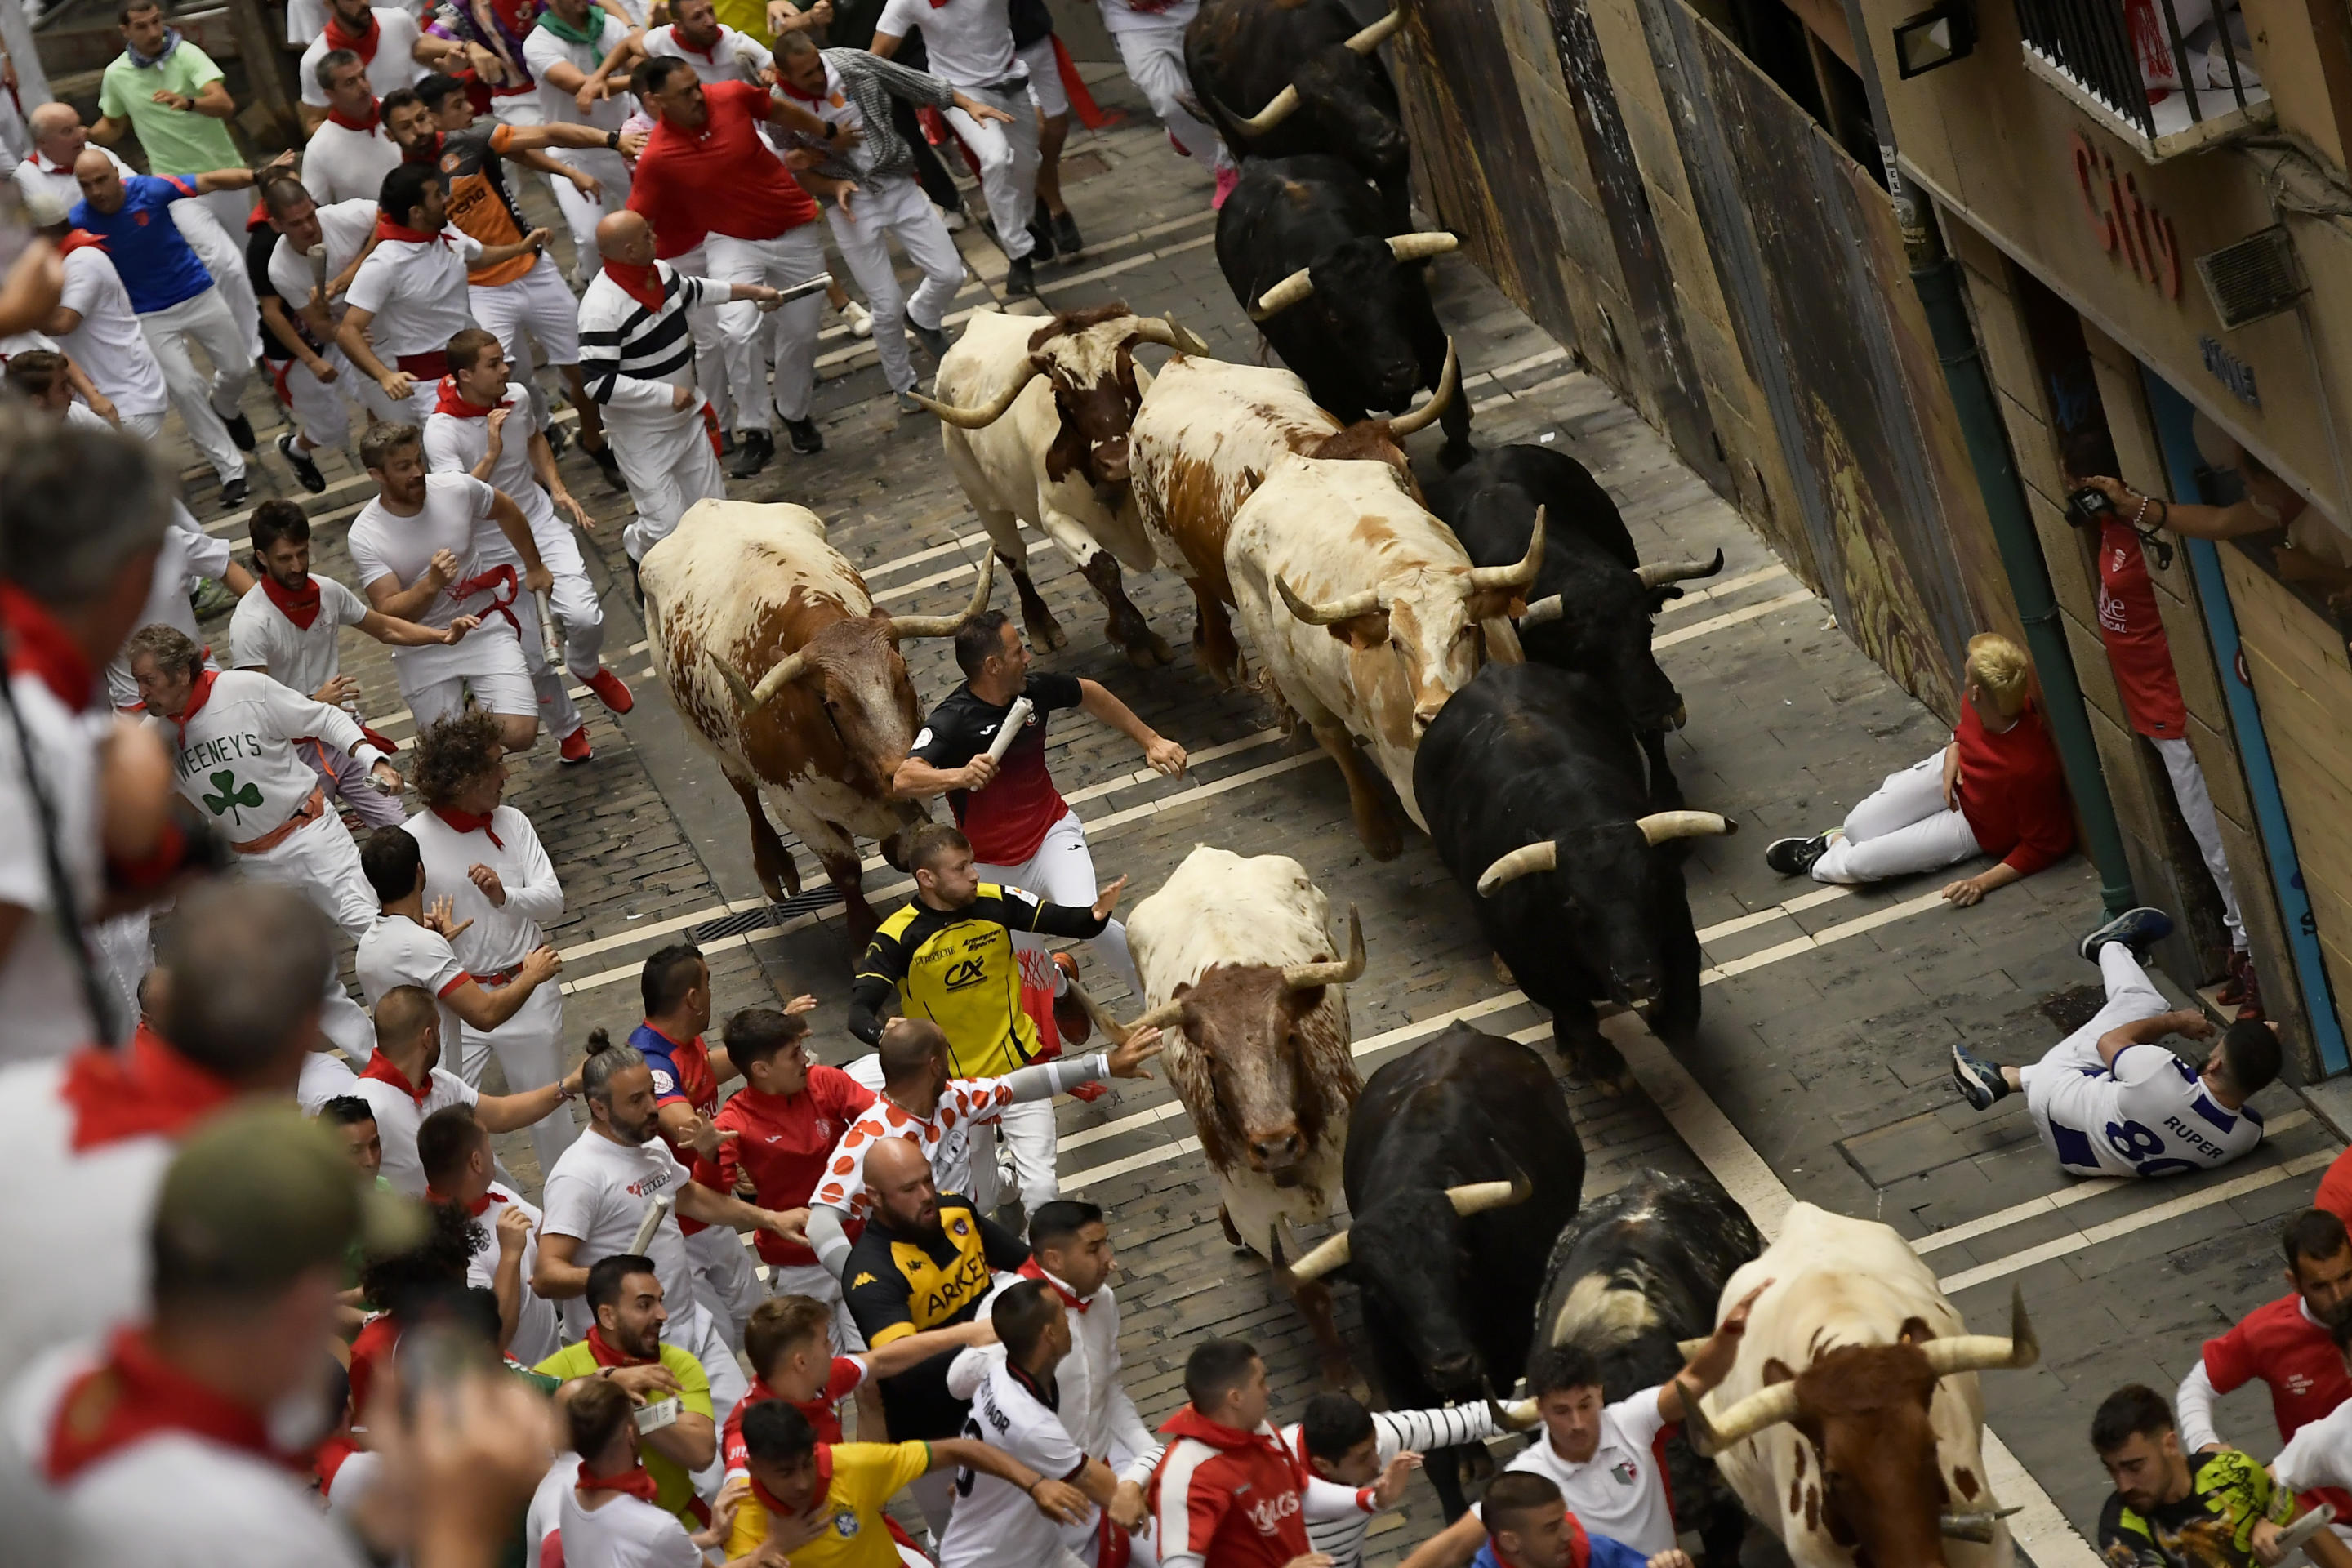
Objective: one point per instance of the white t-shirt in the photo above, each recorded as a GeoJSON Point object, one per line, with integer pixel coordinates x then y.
{"type": "Point", "coordinates": [324, 1077]}
{"type": "Point", "coordinates": [546, 1513]}
{"type": "Point", "coordinates": [398, 951]}
{"type": "Point", "coordinates": [453, 444]}
{"type": "Point", "coordinates": [500, 935]}
{"type": "Point", "coordinates": [2319, 1454]}
{"type": "Point", "coordinates": [303, 658]}
{"type": "Point", "coordinates": [542, 49]}
{"type": "Point", "coordinates": [37, 173]}
{"type": "Point", "coordinates": [398, 1116]}
{"type": "Point", "coordinates": [994, 1521]}
{"type": "Point", "coordinates": [2147, 1115]}
{"type": "Point", "coordinates": [189, 554]}
{"type": "Point", "coordinates": [384, 544]}
{"type": "Point", "coordinates": [1619, 1492]}
{"type": "Point", "coordinates": [535, 1336]}
{"type": "Point", "coordinates": [110, 344]}
{"type": "Point", "coordinates": [1127, 17]}
{"type": "Point", "coordinates": [416, 293]}
{"type": "Point", "coordinates": [969, 42]}
{"type": "Point", "coordinates": [598, 1192]}
{"type": "Point", "coordinates": [626, 1532]}
{"type": "Point", "coordinates": [736, 56]}
{"type": "Point", "coordinates": [40, 992]}
{"type": "Point", "coordinates": [394, 65]}
{"type": "Point", "coordinates": [340, 164]}
{"type": "Point", "coordinates": [343, 228]}
{"type": "Point", "coordinates": [236, 761]}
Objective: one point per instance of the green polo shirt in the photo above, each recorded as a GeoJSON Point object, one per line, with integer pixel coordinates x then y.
{"type": "Point", "coordinates": [177, 141]}
{"type": "Point", "coordinates": [674, 1488]}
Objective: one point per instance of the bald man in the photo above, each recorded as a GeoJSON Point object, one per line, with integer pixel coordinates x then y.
{"type": "Point", "coordinates": [637, 353]}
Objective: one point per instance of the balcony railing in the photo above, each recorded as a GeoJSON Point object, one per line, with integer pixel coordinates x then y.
{"type": "Point", "coordinates": [2170, 75]}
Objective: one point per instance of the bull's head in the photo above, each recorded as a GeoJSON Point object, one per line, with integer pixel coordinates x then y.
{"type": "Point", "coordinates": [1341, 89]}
{"type": "Point", "coordinates": [1864, 1411]}
{"type": "Point", "coordinates": [1598, 885]}
{"type": "Point", "coordinates": [1088, 358]}
{"type": "Point", "coordinates": [1245, 1020]}
{"type": "Point", "coordinates": [1600, 624]}
{"type": "Point", "coordinates": [1420, 637]}
{"type": "Point", "coordinates": [853, 668]}
{"type": "Point", "coordinates": [1361, 287]}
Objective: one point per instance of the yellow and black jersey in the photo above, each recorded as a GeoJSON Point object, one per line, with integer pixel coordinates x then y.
{"type": "Point", "coordinates": [956, 968]}
{"type": "Point", "coordinates": [898, 1286]}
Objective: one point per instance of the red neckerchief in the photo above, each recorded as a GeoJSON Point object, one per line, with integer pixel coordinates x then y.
{"type": "Point", "coordinates": [81, 239]}
{"type": "Point", "coordinates": [134, 1394]}
{"type": "Point", "coordinates": [452, 403]}
{"type": "Point", "coordinates": [642, 284]}
{"type": "Point", "coordinates": [380, 1068]}
{"type": "Point", "coordinates": [466, 822]}
{"type": "Point", "coordinates": [423, 151]}
{"type": "Point", "coordinates": [39, 646]}
{"type": "Point", "coordinates": [710, 54]}
{"type": "Point", "coordinates": [299, 606]}
{"type": "Point", "coordinates": [609, 1354]}
{"type": "Point", "coordinates": [786, 83]}
{"type": "Point", "coordinates": [387, 229]}
{"type": "Point", "coordinates": [149, 1088]}
{"type": "Point", "coordinates": [200, 692]}
{"type": "Point", "coordinates": [257, 218]}
{"type": "Point", "coordinates": [364, 127]}
{"type": "Point", "coordinates": [362, 44]}
{"type": "Point", "coordinates": [636, 1481]}
{"type": "Point", "coordinates": [473, 1208]}
{"type": "Point", "coordinates": [816, 1500]}
{"type": "Point", "coordinates": [1030, 1270]}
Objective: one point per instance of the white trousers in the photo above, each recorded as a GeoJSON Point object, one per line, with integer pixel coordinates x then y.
{"type": "Point", "coordinates": [498, 680]}
{"type": "Point", "coordinates": [710, 365]}
{"type": "Point", "coordinates": [1154, 58]}
{"type": "Point", "coordinates": [2130, 998]}
{"type": "Point", "coordinates": [669, 463]}
{"type": "Point", "coordinates": [322, 410]}
{"type": "Point", "coordinates": [1008, 165]}
{"type": "Point", "coordinates": [535, 309]}
{"type": "Point", "coordinates": [794, 257]}
{"type": "Point", "coordinates": [1046, 89]}
{"type": "Point", "coordinates": [208, 223]}
{"type": "Point", "coordinates": [550, 684]}
{"type": "Point", "coordinates": [573, 599]}
{"type": "Point", "coordinates": [2197, 810]}
{"type": "Point", "coordinates": [704, 1334]}
{"type": "Point", "coordinates": [888, 204]}
{"type": "Point", "coordinates": [819, 1283]}
{"type": "Point", "coordinates": [1061, 871]}
{"type": "Point", "coordinates": [203, 402]}
{"type": "Point", "coordinates": [582, 214]}
{"type": "Point", "coordinates": [729, 1283]}
{"type": "Point", "coordinates": [345, 778]}
{"type": "Point", "coordinates": [321, 863]}
{"type": "Point", "coordinates": [1024, 1133]}
{"type": "Point", "coordinates": [527, 1046]}
{"type": "Point", "coordinates": [1901, 829]}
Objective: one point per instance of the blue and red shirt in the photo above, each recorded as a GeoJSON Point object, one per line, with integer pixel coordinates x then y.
{"type": "Point", "coordinates": [1583, 1551]}
{"type": "Point", "coordinates": [682, 1076]}
{"type": "Point", "coordinates": [159, 270]}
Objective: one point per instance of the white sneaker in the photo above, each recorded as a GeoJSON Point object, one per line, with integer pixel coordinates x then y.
{"type": "Point", "coordinates": [955, 220]}
{"type": "Point", "coordinates": [860, 320]}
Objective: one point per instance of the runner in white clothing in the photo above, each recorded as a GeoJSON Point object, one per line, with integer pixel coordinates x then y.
{"type": "Point", "coordinates": [454, 1147]}
{"type": "Point", "coordinates": [303, 309]}
{"type": "Point", "coordinates": [606, 1522]}
{"type": "Point", "coordinates": [388, 42]}
{"type": "Point", "coordinates": [486, 425]}
{"type": "Point", "coordinates": [93, 321]}
{"type": "Point", "coordinates": [415, 546]}
{"type": "Point", "coordinates": [575, 52]}
{"type": "Point", "coordinates": [716, 52]}
{"type": "Point", "coordinates": [404, 1083]}
{"type": "Point", "coordinates": [286, 631]}
{"type": "Point", "coordinates": [1150, 39]}
{"type": "Point", "coordinates": [970, 46]}
{"type": "Point", "coordinates": [350, 152]}
{"type": "Point", "coordinates": [1341, 1442]}
{"type": "Point", "coordinates": [234, 738]}
{"type": "Point", "coordinates": [2109, 1099]}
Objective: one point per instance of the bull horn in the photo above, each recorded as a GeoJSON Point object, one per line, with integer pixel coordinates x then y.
{"type": "Point", "coordinates": [1373, 37]}
{"type": "Point", "coordinates": [1165, 332]}
{"type": "Point", "coordinates": [750, 699]}
{"type": "Point", "coordinates": [1336, 972]}
{"type": "Point", "coordinates": [1332, 1253]}
{"type": "Point", "coordinates": [1689, 1348]}
{"type": "Point", "coordinates": [1518, 576]}
{"type": "Point", "coordinates": [1283, 295]}
{"type": "Point", "coordinates": [905, 626]}
{"type": "Point", "coordinates": [987, 414]}
{"type": "Point", "coordinates": [1284, 105]}
{"type": "Point", "coordinates": [1661, 825]}
{"type": "Point", "coordinates": [1983, 1352]}
{"type": "Point", "coordinates": [1113, 1030]}
{"type": "Point", "coordinates": [1543, 612]}
{"type": "Point", "coordinates": [1973, 1524]}
{"type": "Point", "coordinates": [735, 686]}
{"type": "Point", "coordinates": [1758, 1412]}
{"type": "Point", "coordinates": [1477, 1197]}
{"type": "Point", "coordinates": [1419, 246]}
{"type": "Point", "coordinates": [1449, 381]}
{"type": "Point", "coordinates": [1518, 1415]}
{"type": "Point", "coordinates": [1331, 611]}
{"type": "Point", "coordinates": [1658, 574]}
{"type": "Point", "coordinates": [1543, 854]}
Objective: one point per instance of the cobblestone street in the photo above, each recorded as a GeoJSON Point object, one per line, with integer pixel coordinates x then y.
{"type": "Point", "coordinates": [1820, 1070]}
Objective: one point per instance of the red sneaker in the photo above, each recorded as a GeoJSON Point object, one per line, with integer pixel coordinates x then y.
{"type": "Point", "coordinates": [611, 690]}
{"type": "Point", "coordinates": [1069, 1013]}
{"type": "Point", "coordinates": [572, 748]}
{"type": "Point", "coordinates": [1089, 1092]}
{"type": "Point", "coordinates": [1226, 180]}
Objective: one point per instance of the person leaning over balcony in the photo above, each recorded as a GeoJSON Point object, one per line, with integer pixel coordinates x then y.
{"type": "Point", "coordinates": [1996, 789]}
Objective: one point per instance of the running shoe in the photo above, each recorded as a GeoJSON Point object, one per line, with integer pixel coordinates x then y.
{"type": "Point", "coordinates": [611, 690]}
{"type": "Point", "coordinates": [1069, 1012]}
{"type": "Point", "coordinates": [1980, 1083]}
{"type": "Point", "coordinates": [573, 750]}
{"type": "Point", "coordinates": [2138, 929]}
{"type": "Point", "coordinates": [1795, 857]}
{"type": "Point", "coordinates": [860, 320]}
{"type": "Point", "coordinates": [305, 467]}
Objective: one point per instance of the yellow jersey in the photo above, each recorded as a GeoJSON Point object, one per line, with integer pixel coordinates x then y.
{"type": "Point", "coordinates": [857, 1478]}
{"type": "Point", "coordinates": [673, 1487]}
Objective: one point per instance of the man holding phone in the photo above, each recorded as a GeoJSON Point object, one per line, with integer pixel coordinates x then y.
{"type": "Point", "coordinates": [675, 1431]}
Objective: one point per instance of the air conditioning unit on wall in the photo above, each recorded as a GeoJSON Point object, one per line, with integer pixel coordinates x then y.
{"type": "Point", "coordinates": [2253, 279]}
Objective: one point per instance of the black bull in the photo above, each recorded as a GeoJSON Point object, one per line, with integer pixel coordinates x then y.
{"type": "Point", "coordinates": [1366, 338]}
{"type": "Point", "coordinates": [1449, 1297]}
{"type": "Point", "coordinates": [1244, 55]}
{"type": "Point", "coordinates": [1630, 1277]}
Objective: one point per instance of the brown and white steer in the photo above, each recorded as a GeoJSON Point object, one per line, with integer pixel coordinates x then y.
{"type": "Point", "coordinates": [779, 662]}
{"type": "Point", "coordinates": [1206, 436]}
{"type": "Point", "coordinates": [1852, 1422]}
{"type": "Point", "coordinates": [1033, 417]}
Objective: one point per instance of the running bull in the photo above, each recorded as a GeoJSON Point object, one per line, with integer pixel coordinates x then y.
{"type": "Point", "coordinates": [1034, 419]}
{"type": "Point", "coordinates": [1335, 283]}
{"type": "Point", "coordinates": [781, 664]}
{"type": "Point", "coordinates": [1852, 1423]}
{"type": "Point", "coordinates": [1461, 1166]}
{"type": "Point", "coordinates": [1631, 1277]}
{"type": "Point", "coordinates": [1278, 80]}
{"type": "Point", "coordinates": [1538, 797]}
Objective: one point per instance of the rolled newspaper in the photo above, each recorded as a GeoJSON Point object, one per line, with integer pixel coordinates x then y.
{"type": "Point", "coordinates": [656, 1212]}
{"type": "Point", "coordinates": [548, 642]}
{"type": "Point", "coordinates": [790, 292]}
{"type": "Point", "coordinates": [1010, 731]}
{"type": "Point", "coordinates": [2303, 1529]}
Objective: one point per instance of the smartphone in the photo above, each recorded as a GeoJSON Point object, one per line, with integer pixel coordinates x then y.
{"type": "Point", "coordinates": [653, 1417]}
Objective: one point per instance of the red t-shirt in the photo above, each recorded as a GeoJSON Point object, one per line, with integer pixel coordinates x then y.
{"type": "Point", "coordinates": [782, 1140]}
{"type": "Point", "coordinates": [823, 1412]}
{"type": "Point", "coordinates": [724, 177]}
{"type": "Point", "coordinates": [2335, 1193]}
{"type": "Point", "coordinates": [2133, 633]}
{"type": "Point", "coordinates": [2280, 1344]}
{"type": "Point", "coordinates": [2013, 791]}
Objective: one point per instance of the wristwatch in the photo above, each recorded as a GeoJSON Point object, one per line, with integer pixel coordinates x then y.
{"type": "Point", "coordinates": [612, 140]}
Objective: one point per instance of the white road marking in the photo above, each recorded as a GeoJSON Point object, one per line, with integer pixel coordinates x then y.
{"type": "Point", "coordinates": [1730, 619]}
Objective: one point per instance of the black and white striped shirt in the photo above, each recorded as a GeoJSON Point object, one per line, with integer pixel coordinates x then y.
{"type": "Point", "coordinates": [635, 357]}
{"type": "Point", "coordinates": [1396, 1432]}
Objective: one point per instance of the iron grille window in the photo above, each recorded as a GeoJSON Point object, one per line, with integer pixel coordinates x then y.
{"type": "Point", "coordinates": [2160, 66]}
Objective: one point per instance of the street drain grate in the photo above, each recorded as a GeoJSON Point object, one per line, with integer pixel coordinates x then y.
{"type": "Point", "coordinates": [800, 903]}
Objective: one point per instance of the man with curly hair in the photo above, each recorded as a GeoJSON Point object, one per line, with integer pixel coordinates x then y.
{"type": "Point", "coordinates": [486, 860]}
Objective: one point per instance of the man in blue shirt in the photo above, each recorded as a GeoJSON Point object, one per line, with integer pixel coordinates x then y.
{"type": "Point", "coordinates": [1528, 1526]}
{"type": "Point", "coordinates": [173, 295]}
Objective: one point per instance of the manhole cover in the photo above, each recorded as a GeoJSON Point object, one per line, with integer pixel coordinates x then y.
{"type": "Point", "coordinates": [2070, 1010]}
{"type": "Point", "coordinates": [800, 903]}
